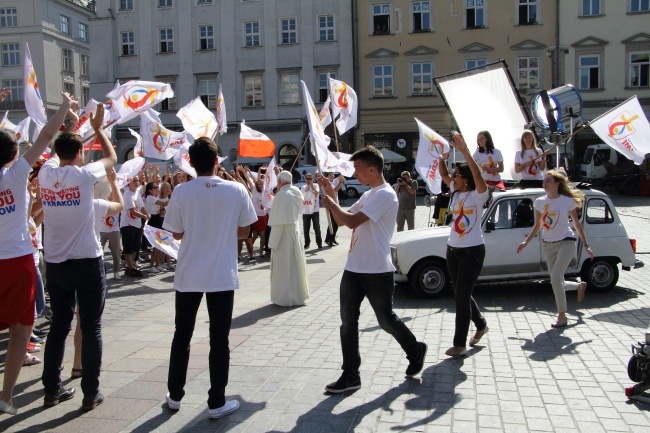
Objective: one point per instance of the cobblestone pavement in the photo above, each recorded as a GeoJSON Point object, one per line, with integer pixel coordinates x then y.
{"type": "Point", "coordinates": [522, 377]}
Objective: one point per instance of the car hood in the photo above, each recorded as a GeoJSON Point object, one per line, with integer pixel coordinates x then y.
{"type": "Point", "coordinates": [426, 234]}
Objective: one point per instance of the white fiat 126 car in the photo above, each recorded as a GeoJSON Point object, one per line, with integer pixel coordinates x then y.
{"type": "Point", "coordinates": [419, 255]}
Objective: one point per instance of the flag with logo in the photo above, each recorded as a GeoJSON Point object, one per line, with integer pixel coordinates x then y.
{"type": "Point", "coordinates": [163, 240]}
{"type": "Point", "coordinates": [157, 141]}
{"type": "Point", "coordinates": [21, 130]}
{"type": "Point", "coordinates": [344, 105]}
{"type": "Point", "coordinates": [136, 97]}
{"type": "Point", "coordinates": [325, 115]}
{"type": "Point", "coordinates": [270, 182]}
{"type": "Point", "coordinates": [346, 167]}
{"type": "Point", "coordinates": [32, 95]}
{"type": "Point", "coordinates": [626, 129]}
{"type": "Point", "coordinates": [86, 131]}
{"type": "Point", "coordinates": [197, 119]}
{"type": "Point", "coordinates": [182, 160]}
{"type": "Point", "coordinates": [319, 141]}
{"type": "Point", "coordinates": [427, 162]}
{"type": "Point", "coordinates": [221, 113]}
{"type": "Point", "coordinates": [254, 144]}
{"type": "Point", "coordinates": [137, 149]}
{"type": "Point", "coordinates": [129, 170]}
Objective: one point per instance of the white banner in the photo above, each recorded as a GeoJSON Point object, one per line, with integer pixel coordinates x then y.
{"type": "Point", "coordinates": [129, 170]}
{"type": "Point", "coordinates": [197, 119]}
{"type": "Point", "coordinates": [163, 240]}
{"type": "Point", "coordinates": [427, 162]}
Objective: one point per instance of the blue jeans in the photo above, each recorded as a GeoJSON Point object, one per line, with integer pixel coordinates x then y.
{"type": "Point", "coordinates": [82, 281]}
{"type": "Point", "coordinates": [378, 288]}
{"type": "Point", "coordinates": [220, 306]}
{"type": "Point", "coordinates": [464, 265]}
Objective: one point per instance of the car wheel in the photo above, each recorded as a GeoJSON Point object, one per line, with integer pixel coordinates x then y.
{"type": "Point", "coordinates": [429, 278]}
{"type": "Point", "coordinates": [351, 193]}
{"type": "Point", "coordinates": [600, 274]}
{"type": "Point", "coordinates": [633, 371]}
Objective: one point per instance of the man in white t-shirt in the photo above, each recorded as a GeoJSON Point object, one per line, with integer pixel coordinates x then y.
{"type": "Point", "coordinates": [369, 269]}
{"type": "Point", "coordinates": [208, 214]}
{"type": "Point", "coordinates": [131, 226]}
{"type": "Point", "coordinates": [259, 227]}
{"type": "Point", "coordinates": [310, 210]}
{"type": "Point", "coordinates": [75, 264]}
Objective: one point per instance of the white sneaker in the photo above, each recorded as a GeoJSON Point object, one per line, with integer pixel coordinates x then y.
{"type": "Point", "coordinates": [231, 406]}
{"type": "Point", "coordinates": [172, 404]}
{"type": "Point", "coordinates": [116, 275]}
{"type": "Point", "coordinates": [153, 270]}
{"type": "Point", "coordinates": [7, 408]}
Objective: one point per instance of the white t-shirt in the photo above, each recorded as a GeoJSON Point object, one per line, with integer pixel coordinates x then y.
{"type": "Point", "coordinates": [467, 208]}
{"type": "Point", "coordinates": [555, 217]}
{"type": "Point", "coordinates": [370, 243]}
{"type": "Point", "coordinates": [532, 172]}
{"type": "Point", "coordinates": [101, 209]}
{"type": "Point", "coordinates": [208, 210]}
{"type": "Point", "coordinates": [15, 240]}
{"type": "Point", "coordinates": [151, 206]}
{"type": "Point", "coordinates": [109, 224]}
{"type": "Point", "coordinates": [35, 233]}
{"type": "Point", "coordinates": [69, 217]}
{"type": "Point", "coordinates": [310, 202]}
{"type": "Point", "coordinates": [256, 198]}
{"type": "Point", "coordinates": [486, 160]}
{"type": "Point", "coordinates": [132, 200]}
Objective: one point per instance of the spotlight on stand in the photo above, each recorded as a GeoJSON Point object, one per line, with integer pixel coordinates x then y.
{"type": "Point", "coordinates": [550, 107]}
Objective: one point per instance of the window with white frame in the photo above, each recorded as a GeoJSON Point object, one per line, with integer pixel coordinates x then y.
{"type": "Point", "coordinates": [16, 88]}
{"type": "Point", "coordinates": [207, 88]}
{"type": "Point", "coordinates": [421, 16]}
{"type": "Point", "coordinates": [589, 72]}
{"type": "Point", "coordinates": [421, 78]}
{"type": "Point", "coordinates": [252, 33]}
{"type": "Point", "coordinates": [128, 43]}
{"type": "Point", "coordinates": [169, 104]}
{"type": "Point", "coordinates": [381, 19]}
{"type": "Point", "coordinates": [166, 40]}
{"type": "Point", "coordinates": [83, 32]}
{"type": "Point", "coordinates": [206, 37]}
{"type": "Point", "coordinates": [68, 87]}
{"type": "Point", "coordinates": [253, 96]}
{"type": "Point", "coordinates": [289, 89]}
{"type": "Point", "coordinates": [527, 12]}
{"type": "Point", "coordinates": [288, 31]}
{"type": "Point", "coordinates": [165, 3]}
{"type": "Point", "coordinates": [126, 5]}
{"type": "Point", "coordinates": [85, 95]}
{"type": "Point", "coordinates": [639, 68]}
{"type": "Point", "coordinates": [11, 54]}
{"type": "Point", "coordinates": [204, 2]}
{"type": "Point", "coordinates": [85, 64]}
{"type": "Point", "coordinates": [326, 27]}
{"type": "Point", "coordinates": [65, 24]}
{"type": "Point", "coordinates": [323, 90]}
{"type": "Point", "coordinates": [8, 17]}
{"type": "Point", "coordinates": [474, 14]}
{"type": "Point", "coordinates": [528, 73]}
{"type": "Point", "coordinates": [590, 8]}
{"type": "Point", "coordinates": [67, 63]}
{"type": "Point", "coordinates": [382, 79]}
{"type": "Point", "coordinates": [475, 63]}
{"type": "Point", "coordinates": [639, 5]}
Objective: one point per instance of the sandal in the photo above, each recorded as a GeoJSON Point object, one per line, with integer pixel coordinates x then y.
{"type": "Point", "coordinates": [560, 324]}
{"type": "Point", "coordinates": [31, 360]}
{"type": "Point", "coordinates": [76, 373]}
{"type": "Point", "coordinates": [477, 337]}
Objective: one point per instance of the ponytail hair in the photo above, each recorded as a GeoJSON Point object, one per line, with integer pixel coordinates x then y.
{"type": "Point", "coordinates": [564, 188]}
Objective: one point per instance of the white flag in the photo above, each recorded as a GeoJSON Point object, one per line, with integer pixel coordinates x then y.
{"type": "Point", "coordinates": [626, 129]}
{"type": "Point", "coordinates": [83, 127]}
{"type": "Point", "coordinates": [137, 149]}
{"type": "Point", "coordinates": [32, 95]}
{"type": "Point", "coordinates": [130, 169]}
{"type": "Point", "coordinates": [182, 160]}
{"type": "Point", "coordinates": [136, 97]}
{"type": "Point", "coordinates": [21, 130]}
{"type": "Point", "coordinates": [157, 141]}
{"type": "Point", "coordinates": [344, 105]}
{"type": "Point", "coordinates": [270, 182]}
{"type": "Point", "coordinates": [221, 113]}
{"type": "Point", "coordinates": [427, 161]}
{"type": "Point", "coordinates": [325, 115]}
{"type": "Point", "coordinates": [319, 141]}
{"type": "Point", "coordinates": [346, 167]}
{"type": "Point", "coordinates": [197, 119]}
{"type": "Point", "coordinates": [163, 240]}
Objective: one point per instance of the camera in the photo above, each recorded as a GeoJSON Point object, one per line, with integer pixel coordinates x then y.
{"type": "Point", "coordinates": [400, 180]}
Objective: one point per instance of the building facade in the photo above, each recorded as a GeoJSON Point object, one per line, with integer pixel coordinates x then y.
{"type": "Point", "coordinates": [257, 50]}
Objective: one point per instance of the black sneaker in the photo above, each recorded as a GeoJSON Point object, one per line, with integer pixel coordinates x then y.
{"type": "Point", "coordinates": [415, 365]}
{"type": "Point", "coordinates": [91, 403]}
{"type": "Point", "coordinates": [62, 394]}
{"type": "Point", "coordinates": [347, 382]}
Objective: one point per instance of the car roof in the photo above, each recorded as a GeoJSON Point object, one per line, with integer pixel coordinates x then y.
{"type": "Point", "coordinates": [540, 191]}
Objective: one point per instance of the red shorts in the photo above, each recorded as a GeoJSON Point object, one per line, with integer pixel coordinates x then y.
{"type": "Point", "coordinates": [17, 291]}
{"type": "Point", "coordinates": [260, 224]}
{"type": "Point", "coordinates": [496, 183]}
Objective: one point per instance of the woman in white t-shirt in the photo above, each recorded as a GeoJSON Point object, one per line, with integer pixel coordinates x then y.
{"type": "Point", "coordinates": [465, 247]}
{"type": "Point", "coordinates": [489, 160]}
{"type": "Point", "coordinates": [552, 213]}
{"type": "Point", "coordinates": [530, 162]}
{"type": "Point", "coordinates": [153, 205]}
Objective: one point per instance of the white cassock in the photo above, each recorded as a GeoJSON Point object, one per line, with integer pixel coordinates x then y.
{"type": "Point", "coordinates": [289, 285]}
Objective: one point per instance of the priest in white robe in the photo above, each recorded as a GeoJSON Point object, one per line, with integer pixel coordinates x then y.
{"type": "Point", "coordinates": [289, 285]}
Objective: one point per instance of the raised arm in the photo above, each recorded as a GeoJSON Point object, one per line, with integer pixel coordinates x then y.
{"type": "Point", "coordinates": [459, 144]}
{"type": "Point", "coordinates": [96, 122]}
{"type": "Point", "coordinates": [116, 201]}
{"type": "Point", "coordinates": [49, 131]}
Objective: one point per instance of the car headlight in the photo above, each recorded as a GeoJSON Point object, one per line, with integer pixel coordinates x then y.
{"type": "Point", "coordinates": [393, 255]}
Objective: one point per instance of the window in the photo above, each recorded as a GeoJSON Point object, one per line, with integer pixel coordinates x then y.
{"type": "Point", "coordinates": [170, 103]}
{"type": "Point", "coordinates": [326, 28]}
{"type": "Point", "coordinates": [85, 96]}
{"type": "Point", "coordinates": [421, 17]}
{"type": "Point", "coordinates": [166, 40]}
{"type": "Point", "coordinates": [590, 7]}
{"type": "Point", "coordinates": [589, 72]}
{"type": "Point", "coordinates": [512, 214]}
{"type": "Point", "coordinates": [421, 78]}
{"type": "Point", "coordinates": [208, 92]}
{"type": "Point", "coordinates": [85, 64]}
{"type": "Point", "coordinates": [528, 73]}
{"type": "Point", "coordinates": [475, 14]}
{"type": "Point", "coordinates": [323, 90]}
{"type": "Point", "coordinates": [640, 5]}
{"type": "Point", "coordinates": [16, 88]}
{"type": "Point", "coordinates": [68, 88]}
{"type": "Point", "coordinates": [165, 3]}
{"type": "Point", "coordinates": [83, 32]}
{"type": "Point", "coordinates": [11, 54]}
{"type": "Point", "coordinates": [128, 43]}
{"type": "Point", "coordinates": [289, 89]}
{"type": "Point", "coordinates": [251, 33]}
{"type": "Point", "coordinates": [126, 5]}
{"type": "Point", "coordinates": [253, 92]}
{"type": "Point", "coordinates": [381, 19]}
{"type": "Point", "coordinates": [382, 81]}
{"type": "Point", "coordinates": [65, 24]}
{"type": "Point", "coordinates": [598, 212]}
{"type": "Point", "coordinates": [288, 31]}
{"type": "Point", "coordinates": [206, 37]}
{"type": "Point", "coordinates": [204, 2]}
{"type": "Point", "coordinates": [640, 69]}
{"type": "Point", "coordinates": [475, 63]}
{"type": "Point", "coordinates": [527, 12]}
{"type": "Point", "coordinates": [67, 63]}
{"type": "Point", "coordinates": [8, 17]}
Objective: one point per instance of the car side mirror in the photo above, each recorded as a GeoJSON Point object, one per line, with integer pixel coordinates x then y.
{"type": "Point", "coordinates": [489, 226]}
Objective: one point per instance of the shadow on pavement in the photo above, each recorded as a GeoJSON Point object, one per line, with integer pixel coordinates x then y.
{"type": "Point", "coordinates": [257, 314]}
{"type": "Point", "coordinates": [637, 318]}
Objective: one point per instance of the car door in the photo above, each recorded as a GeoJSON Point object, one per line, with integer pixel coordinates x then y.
{"type": "Point", "coordinates": [507, 224]}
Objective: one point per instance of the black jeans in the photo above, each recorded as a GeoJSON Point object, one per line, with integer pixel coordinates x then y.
{"type": "Point", "coordinates": [306, 223]}
{"type": "Point", "coordinates": [220, 306]}
{"type": "Point", "coordinates": [378, 288]}
{"type": "Point", "coordinates": [79, 281]}
{"type": "Point", "coordinates": [464, 266]}
{"type": "Point", "coordinates": [335, 228]}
